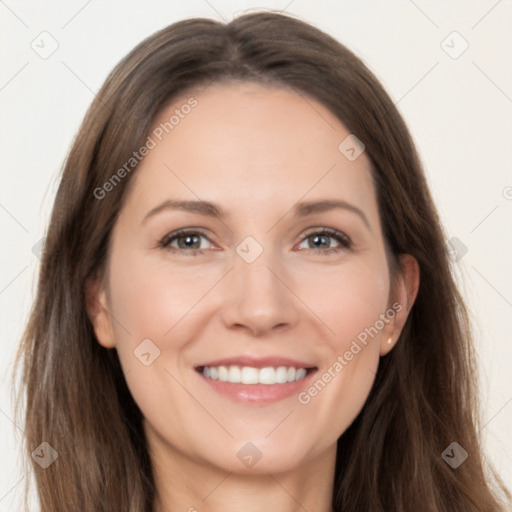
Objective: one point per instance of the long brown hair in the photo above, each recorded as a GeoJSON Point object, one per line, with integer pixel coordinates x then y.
{"type": "Point", "coordinates": [424, 397]}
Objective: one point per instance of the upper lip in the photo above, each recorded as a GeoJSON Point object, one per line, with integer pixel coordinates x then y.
{"type": "Point", "coordinates": [257, 362]}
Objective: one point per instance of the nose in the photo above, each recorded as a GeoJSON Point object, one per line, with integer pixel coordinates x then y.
{"type": "Point", "coordinates": [258, 297]}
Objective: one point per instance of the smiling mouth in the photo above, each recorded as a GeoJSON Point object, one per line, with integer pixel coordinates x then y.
{"type": "Point", "coordinates": [249, 375]}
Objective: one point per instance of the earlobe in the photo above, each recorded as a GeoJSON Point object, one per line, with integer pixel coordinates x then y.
{"type": "Point", "coordinates": [97, 311]}
{"type": "Point", "coordinates": [402, 297]}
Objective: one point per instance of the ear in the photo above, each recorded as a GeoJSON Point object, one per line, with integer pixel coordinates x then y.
{"type": "Point", "coordinates": [402, 296]}
{"type": "Point", "coordinates": [98, 312]}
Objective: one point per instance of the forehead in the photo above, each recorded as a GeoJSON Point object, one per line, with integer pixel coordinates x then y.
{"type": "Point", "coordinates": [245, 144]}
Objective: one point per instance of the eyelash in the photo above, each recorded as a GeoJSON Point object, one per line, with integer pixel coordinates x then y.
{"type": "Point", "coordinates": [340, 237]}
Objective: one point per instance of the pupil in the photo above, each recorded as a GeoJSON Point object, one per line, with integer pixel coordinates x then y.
{"type": "Point", "coordinates": [318, 238]}
{"type": "Point", "coordinates": [189, 240]}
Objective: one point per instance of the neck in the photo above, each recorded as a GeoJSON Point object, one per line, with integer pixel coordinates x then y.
{"type": "Point", "coordinates": [187, 485]}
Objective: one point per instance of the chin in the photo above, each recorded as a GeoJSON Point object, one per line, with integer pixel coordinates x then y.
{"type": "Point", "coordinates": [261, 456]}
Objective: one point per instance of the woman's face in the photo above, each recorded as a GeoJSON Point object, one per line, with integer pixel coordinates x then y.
{"type": "Point", "coordinates": [279, 281]}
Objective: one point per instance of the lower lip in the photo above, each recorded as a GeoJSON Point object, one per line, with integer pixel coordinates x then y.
{"type": "Point", "coordinates": [257, 393]}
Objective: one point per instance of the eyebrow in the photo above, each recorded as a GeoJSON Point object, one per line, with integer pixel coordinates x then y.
{"type": "Point", "coordinates": [302, 209]}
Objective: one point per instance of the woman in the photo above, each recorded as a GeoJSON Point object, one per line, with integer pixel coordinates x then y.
{"type": "Point", "coordinates": [245, 298]}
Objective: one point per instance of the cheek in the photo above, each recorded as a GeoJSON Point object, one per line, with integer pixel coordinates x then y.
{"type": "Point", "coordinates": [351, 305]}
{"type": "Point", "coordinates": [150, 300]}
{"type": "Point", "coordinates": [151, 303]}
{"type": "Point", "coordinates": [165, 306]}
{"type": "Point", "coordinates": [348, 299]}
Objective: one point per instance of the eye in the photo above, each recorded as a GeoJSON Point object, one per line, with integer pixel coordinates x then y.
{"type": "Point", "coordinates": [322, 240]}
{"type": "Point", "coordinates": [187, 241]}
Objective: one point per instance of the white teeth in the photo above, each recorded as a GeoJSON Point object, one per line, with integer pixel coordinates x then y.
{"type": "Point", "coordinates": [223, 373]}
{"type": "Point", "coordinates": [249, 375]}
{"type": "Point", "coordinates": [301, 373]}
{"type": "Point", "coordinates": [282, 375]}
{"type": "Point", "coordinates": [267, 376]}
{"type": "Point", "coordinates": [234, 374]}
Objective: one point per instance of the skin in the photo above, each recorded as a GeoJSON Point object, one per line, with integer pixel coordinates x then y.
{"type": "Point", "coordinates": [255, 151]}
